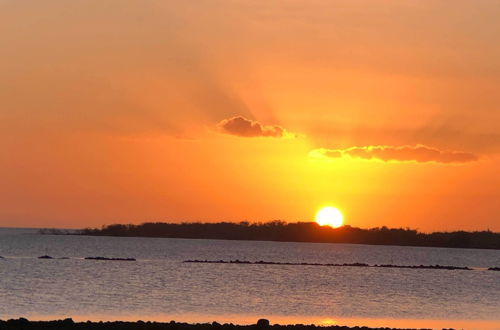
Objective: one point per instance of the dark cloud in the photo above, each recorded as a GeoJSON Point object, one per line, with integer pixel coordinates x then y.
{"type": "Point", "coordinates": [243, 127]}
{"type": "Point", "coordinates": [418, 153]}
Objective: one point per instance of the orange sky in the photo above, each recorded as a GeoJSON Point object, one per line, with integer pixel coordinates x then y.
{"type": "Point", "coordinates": [153, 110]}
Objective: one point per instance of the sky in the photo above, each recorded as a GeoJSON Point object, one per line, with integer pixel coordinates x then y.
{"type": "Point", "coordinates": [152, 110]}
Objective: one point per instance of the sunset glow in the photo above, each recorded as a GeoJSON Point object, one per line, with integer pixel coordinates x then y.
{"type": "Point", "coordinates": [241, 108]}
{"type": "Point", "coordinates": [329, 216]}
{"type": "Point", "coordinates": [306, 162]}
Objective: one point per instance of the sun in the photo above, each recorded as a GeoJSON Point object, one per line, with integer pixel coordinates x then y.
{"type": "Point", "coordinates": [329, 216]}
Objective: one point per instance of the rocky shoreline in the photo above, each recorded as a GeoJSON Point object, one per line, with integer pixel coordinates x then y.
{"type": "Point", "coordinates": [356, 264]}
{"type": "Point", "coordinates": [69, 324]}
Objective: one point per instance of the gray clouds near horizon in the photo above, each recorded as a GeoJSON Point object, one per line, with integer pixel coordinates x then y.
{"type": "Point", "coordinates": [418, 153]}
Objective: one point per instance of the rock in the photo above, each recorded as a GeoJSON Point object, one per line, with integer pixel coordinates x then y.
{"type": "Point", "coordinates": [110, 259]}
{"type": "Point", "coordinates": [263, 323]}
{"type": "Point", "coordinates": [45, 257]}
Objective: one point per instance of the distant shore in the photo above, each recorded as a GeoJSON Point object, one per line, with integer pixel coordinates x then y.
{"type": "Point", "coordinates": [69, 324]}
{"type": "Point", "coordinates": [296, 232]}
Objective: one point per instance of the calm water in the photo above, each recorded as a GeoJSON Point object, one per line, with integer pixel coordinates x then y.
{"type": "Point", "coordinates": [159, 286]}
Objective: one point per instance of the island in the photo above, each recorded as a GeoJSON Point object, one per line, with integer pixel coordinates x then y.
{"type": "Point", "coordinates": [296, 232]}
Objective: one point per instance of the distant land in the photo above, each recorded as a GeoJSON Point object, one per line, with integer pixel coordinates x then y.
{"type": "Point", "coordinates": [296, 232]}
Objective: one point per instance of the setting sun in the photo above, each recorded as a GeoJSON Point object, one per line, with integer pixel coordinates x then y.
{"type": "Point", "coordinates": [329, 216]}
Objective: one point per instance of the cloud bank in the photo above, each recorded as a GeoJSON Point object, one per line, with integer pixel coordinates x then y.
{"type": "Point", "coordinates": [243, 127]}
{"type": "Point", "coordinates": [418, 153]}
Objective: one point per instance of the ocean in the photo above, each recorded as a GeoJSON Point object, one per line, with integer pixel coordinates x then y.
{"type": "Point", "coordinates": [160, 286]}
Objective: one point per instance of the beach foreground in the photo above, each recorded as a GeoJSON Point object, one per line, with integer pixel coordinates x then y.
{"type": "Point", "coordinates": [262, 324]}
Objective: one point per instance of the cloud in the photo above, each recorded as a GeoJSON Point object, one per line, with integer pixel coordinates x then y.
{"type": "Point", "coordinates": [243, 127]}
{"type": "Point", "coordinates": [418, 153]}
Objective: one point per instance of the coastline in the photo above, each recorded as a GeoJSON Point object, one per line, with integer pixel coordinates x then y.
{"type": "Point", "coordinates": [237, 322]}
{"type": "Point", "coordinates": [262, 324]}
{"type": "Point", "coordinates": [280, 231]}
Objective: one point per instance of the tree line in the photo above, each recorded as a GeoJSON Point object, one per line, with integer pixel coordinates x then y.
{"type": "Point", "coordinates": [301, 232]}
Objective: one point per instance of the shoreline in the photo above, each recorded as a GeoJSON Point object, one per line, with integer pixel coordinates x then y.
{"type": "Point", "coordinates": [261, 324]}
{"type": "Point", "coordinates": [255, 322]}
{"type": "Point", "coordinates": [281, 231]}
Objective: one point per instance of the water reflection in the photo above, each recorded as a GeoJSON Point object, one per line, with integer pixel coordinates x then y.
{"type": "Point", "coordinates": [159, 286]}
